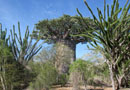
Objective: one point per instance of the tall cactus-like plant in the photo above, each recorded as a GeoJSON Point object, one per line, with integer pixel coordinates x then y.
{"type": "Point", "coordinates": [113, 39]}
{"type": "Point", "coordinates": [3, 38]}
{"type": "Point", "coordinates": [23, 48]}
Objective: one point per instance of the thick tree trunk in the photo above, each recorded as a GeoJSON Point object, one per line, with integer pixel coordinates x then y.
{"type": "Point", "coordinates": [65, 55]}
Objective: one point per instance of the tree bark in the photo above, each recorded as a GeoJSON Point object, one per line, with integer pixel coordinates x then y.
{"type": "Point", "coordinates": [84, 81]}
{"type": "Point", "coordinates": [65, 55]}
{"type": "Point", "coordinates": [120, 80]}
{"type": "Point", "coordinates": [112, 77]}
{"type": "Point", "coordinates": [75, 81]}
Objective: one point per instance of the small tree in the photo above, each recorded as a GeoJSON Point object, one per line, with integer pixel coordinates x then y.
{"type": "Point", "coordinates": [99, 66]}
{"type": "Point", "coordinates": [13, 75]}
{"type": "Point", "coordinates": [46, 54]}
{"type": "Point", "coordinates": [84, 69]}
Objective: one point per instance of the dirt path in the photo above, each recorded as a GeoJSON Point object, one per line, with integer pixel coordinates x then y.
{"type": "Point", "coordinates": [82, 88]}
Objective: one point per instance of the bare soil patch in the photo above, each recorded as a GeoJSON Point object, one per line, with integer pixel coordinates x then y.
{"type": "Point", "coordinates": [58, 87]}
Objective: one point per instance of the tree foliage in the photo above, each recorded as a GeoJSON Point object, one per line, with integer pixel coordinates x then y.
{"type": "Point", "coordinates": [46, 54]}
{"type": "Point", "coordinates": [62, 28]}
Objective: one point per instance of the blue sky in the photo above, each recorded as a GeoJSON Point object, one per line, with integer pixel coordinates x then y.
{"type": "Point", "coordinates": [29, 12]}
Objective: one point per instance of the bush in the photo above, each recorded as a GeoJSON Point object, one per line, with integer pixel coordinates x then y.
{"type": "Point", "coordinates": [84, 72]}
{"type": "Point", "coordinates": [63, 79]}
{"type": "Point", "coordinates": [14, 76]}
{"type": "Point", "coordinates": [46, 76]}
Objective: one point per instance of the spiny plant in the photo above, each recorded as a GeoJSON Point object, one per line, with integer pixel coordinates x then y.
{"type": "Point", "coordinates": [113, 39]}
{"type": "Point", "coordinates": [23, 48]}
{"type": "Point", "coordinates": [3, 34]}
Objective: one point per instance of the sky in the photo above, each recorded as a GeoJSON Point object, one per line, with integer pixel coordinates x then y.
{"type": "Point", "coordinates": [29, 12]}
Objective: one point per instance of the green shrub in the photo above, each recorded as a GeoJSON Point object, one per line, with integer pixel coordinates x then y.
{"type": "Point", "coordinates": [63, 79]}
{"type": "Point", "coordinates": [84, 71]}
{"type": "Point", "coordinates": [14, 76]}
{"type": "Point", "coordinates": [46, 76]}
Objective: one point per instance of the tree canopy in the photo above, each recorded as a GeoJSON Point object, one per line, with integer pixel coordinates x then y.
{"type": "Point", "coordinates": [62, 28]}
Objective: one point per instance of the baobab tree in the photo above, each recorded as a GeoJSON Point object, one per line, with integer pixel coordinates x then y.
{"type": "Point", "coordinates": [61, 32]}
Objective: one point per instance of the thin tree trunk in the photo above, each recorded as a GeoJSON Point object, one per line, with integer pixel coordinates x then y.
{"type": "Point", "coordinates": [119, 84]}
{"type": "Point", "coordinates": [85, 87]}
{"type": "Point", "coordinates": [75, 81]}
{"type": "Point", "coordinates": [85, 84]}
{"type": "Point", "coordinates": [46, 88]}
{"type": "Point", "coordinates": [11, 87]}
{"type": "Point", "coordinates": [119, 81]}
{"type": "Point", "coordinates": [112, 77]}
{"type": "Point", "coordinates": [2, 82]}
